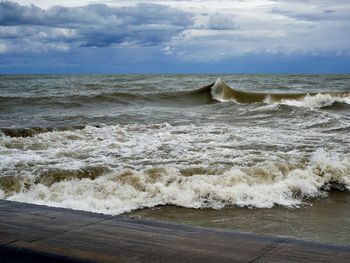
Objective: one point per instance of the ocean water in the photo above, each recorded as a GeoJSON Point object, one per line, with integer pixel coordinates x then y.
{"type": "Point", "coordinates": [256, 153]}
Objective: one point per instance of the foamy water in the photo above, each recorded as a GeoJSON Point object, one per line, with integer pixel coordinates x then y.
{"type": "Point", "coordinates": [114, 169]}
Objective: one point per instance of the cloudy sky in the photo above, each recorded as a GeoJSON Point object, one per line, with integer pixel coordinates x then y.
{"type": "Point", "coordinates": [163, 36]}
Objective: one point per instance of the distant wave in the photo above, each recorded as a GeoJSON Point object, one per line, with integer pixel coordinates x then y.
{"type": "Point", "coordinates": [222, 92]}
{"type": "Point", "coordinates": [215, 92]}
{"type": "Point", "coordinates": [193, 97]}
{"type": "Point", "coordinates": [70, 101]}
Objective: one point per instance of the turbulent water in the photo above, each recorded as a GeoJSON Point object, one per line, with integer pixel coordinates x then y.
{"type": "Point", "coordinates": [236, 143]}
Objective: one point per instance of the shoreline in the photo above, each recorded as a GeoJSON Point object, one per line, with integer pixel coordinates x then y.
{"type": "Point", "coordinates": [31, 233]}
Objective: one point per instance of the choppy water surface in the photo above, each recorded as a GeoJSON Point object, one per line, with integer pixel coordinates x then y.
{"type": "Point", "coordinates": [253, 153]}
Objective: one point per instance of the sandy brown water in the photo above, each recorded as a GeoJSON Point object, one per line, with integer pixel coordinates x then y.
{"type": "Point", "coordinates": [324, 220]}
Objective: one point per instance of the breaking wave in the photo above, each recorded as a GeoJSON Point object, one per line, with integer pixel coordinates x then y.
{"type": "Point", "coordinates": [262, 186]}
{"type": "Point", "coordinates": [221, 92]}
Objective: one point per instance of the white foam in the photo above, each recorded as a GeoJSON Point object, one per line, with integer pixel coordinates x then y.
{"type": "Point", "coordinates": [316, 101]}
{"type": "Point", "coordinates": [218, 91]}
{"type": "Point", "coordinates": [146, 166]}
{"type": "Point", "coordinates": [265, 185]}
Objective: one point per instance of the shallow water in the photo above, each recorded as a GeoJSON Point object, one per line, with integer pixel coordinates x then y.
{"type": "Point", "coordinates": [323, 220]}
{"type": "Point", "coordinates": [245, 152]}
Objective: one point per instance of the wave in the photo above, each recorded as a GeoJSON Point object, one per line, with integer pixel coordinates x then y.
{"type": "Point", "coordinates": [176, 98]}
{"type": "Point", "coordinates": [222, 92]}
{"type": "Point", "coordinates": [98, 189]}
{"type": "Point", "coordinates": [70, 100]}
{"type": "Point", "coordinates": [217, 91]}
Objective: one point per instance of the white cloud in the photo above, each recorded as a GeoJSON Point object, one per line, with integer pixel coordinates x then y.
{"type": "Point", "coordinates": [265, 27]}
{"type": "Point", "coordinates": [202, 30]}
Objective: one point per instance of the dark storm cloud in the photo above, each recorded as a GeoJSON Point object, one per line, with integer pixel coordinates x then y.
{"type": "Point", "coordinates": [93, 25]}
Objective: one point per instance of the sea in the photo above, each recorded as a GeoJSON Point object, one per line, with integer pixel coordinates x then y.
{"type": "Point", "coordinates": [266, 154]}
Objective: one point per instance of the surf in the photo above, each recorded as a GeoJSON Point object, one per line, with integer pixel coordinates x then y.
{"type": "Point", "coordinates": [99, 189]}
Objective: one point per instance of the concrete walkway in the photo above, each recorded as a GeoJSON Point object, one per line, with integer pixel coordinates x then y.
{"type": "Point", "coordinates": [31, 233]}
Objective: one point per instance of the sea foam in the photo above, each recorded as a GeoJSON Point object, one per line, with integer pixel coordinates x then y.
{"type": "Point", "coordinates": [262, 186]}
{"type": "Point", "coordinates": [316, 101]}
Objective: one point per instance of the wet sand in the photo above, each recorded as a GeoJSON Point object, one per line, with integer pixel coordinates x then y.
{"type": "Point", "coordinates": [31, 233]}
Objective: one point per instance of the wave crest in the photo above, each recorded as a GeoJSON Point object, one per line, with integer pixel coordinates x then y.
{"type": "Point", "coordinates": [222, 92]}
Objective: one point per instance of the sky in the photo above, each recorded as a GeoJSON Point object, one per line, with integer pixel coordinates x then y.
{"type": "Point", "coordinates": [178, 36]}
